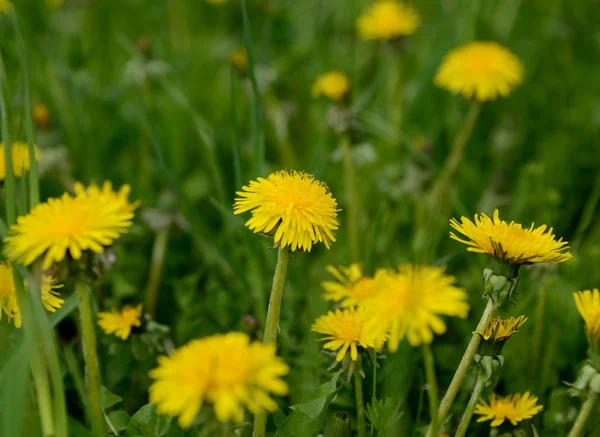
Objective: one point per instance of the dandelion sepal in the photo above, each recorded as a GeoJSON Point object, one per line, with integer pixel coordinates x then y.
{"type": "Point", "coordinates": [489, 367]}
{"type": "Point", "coordinates": [498, 287]}
{"type": "Point", "coordinates": [588, 379]}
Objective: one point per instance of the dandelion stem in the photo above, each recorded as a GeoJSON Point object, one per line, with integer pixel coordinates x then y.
{"type": "Point", "coordinates": [464, 364]}
{"type": "Point", "coordinates": [159, 250]}
{"type": "Point", "coordinates": [468, 414]}
{"type": "Point", "coordinates": [90, 356]}
{"type": "Point", "coordinates": [360, 404]}
{"type": "Point", "coordinates": [351, 199]}
{"type": "Point", "coordinates": [432, 389]}
{"type": "Point", "coordinates": [583, 415]}
{"type": "Point", "coordinates": [272, 324]}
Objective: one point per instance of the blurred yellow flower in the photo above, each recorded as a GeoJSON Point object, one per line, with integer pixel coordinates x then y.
{"type": "Point", "coordinates": [55, 4]}
{"type": "Point", "coordinates": [217, 2]}
{"type": "Point", "coordinates": [514, 409]}
{"type": "Point", "coordinates": [411, 302]}
{"type": "Point", "coordinates": [239, 60]}
{"type": "Point", "coordinates": [387, 19]}
{"type": "Point", "coordinates": [90, 220]}
{"type": "Point", "coordinates": [120, 323]}
{"type": "Point", "coordinates": [349, 329]}
{"type": "Point", "coordinates": [225, 370]}
{"type": "Point", "coordinates": [510, 241]}
{"type": "Point", "coordinates": [588, 305]}
{"type": "Point", "coordinates": [334, 85]}
{"type": "Point", "coordinates": [351, 288]}
{"type": "Point", "coordinates": [8, 295]}
{"type": "Point", "coordinates": [294, 207]}
{"type": "Point", "coordinates": [480, 70]}
{"type": "Point", "coordinates": [41, 115]}
{"type": "Point", "coordinates": [5, 6]}
{"type": "Point", "coordinates": [20, 158]}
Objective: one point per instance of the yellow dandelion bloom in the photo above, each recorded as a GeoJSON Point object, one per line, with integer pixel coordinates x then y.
{"type": "Point", "coordinates": [510, 241]}
{"type": "Point", "coordinates": [224, 370]}
{"type": "Point", "coordinates": [349, 329]}
{"type": "Point", "coordinates": [120, 323]}
{"type": "Point", "coordinates": [351, 288]}
{"type": "Point", "coordinates": [8, 295]}
{"type": "Point", "coordinates": [89, 221]}
{"type": "Point", "coordinates": [514, 409]}
{"type": "Point", "coordinates": [588, 305]}
{"type": "Point", "coordinates": [412, 300]}
{"type": "Point", "coordinates": [41, 115]}
{"type": "Point", "coordinates": [499, 329]}
{"type": "Point", "coordinates": [480, 70]}
{"type": "Point", "coordinates": [386, 20]}
{"type": "Point", "coordinates": [55, 4]}
{"type": "Point", "coordinates": [20, 158]}
{"type": "Point", "coordinates": [239, 60]}
{"type": "Point", "coordinates": [5, 6]}
{"type": "Point", "coordinates": [334, 85]}
{"type": "Point", "coordinates": [299, 210]}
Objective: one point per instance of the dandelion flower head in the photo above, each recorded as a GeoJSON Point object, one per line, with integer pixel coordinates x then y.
{"type": "Point", "coordinates": [500, 329]}
{"type": "Point", "coordinates": [412, 301]}
{"type": "Point", "coordinates": [514, 409]}
{"type": "Point", "coordinates": [120, 323]}
{"type": "Point", "coordinates": [90, 220]}
{"type": "Point", "coordinates": [224, 370]}
{"type": "Point", "coordinates": [481, 71]}
{"type": "Point", "coordinates": [349, 329]}
{"type": "Point", "coordinates": [5, 6]}
{"type": "Point", "coordinates": [351, 287]}
{"type": "Point", "coordinates": [334, 85]}
{"type": "Point", "coordinates": [20, 158]}
{"type": "Point", "coordinates": [41, 115]}
{"type": "Point", "coordinates": [588, 305]}
{"type": "Point", "coordinates": [239, 60]}
{"type": "Point", "coordinates": [299, 210]}
{"type": "Point", "coordinates": [387, 19]}
{"type": "Point", "coordinates": [510, 241]}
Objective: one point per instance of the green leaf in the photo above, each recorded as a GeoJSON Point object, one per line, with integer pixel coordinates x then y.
{"type": "Point", "coordinates": [76, 429]}
{"type": "Point", "coordinates": [147, 423]}
{"type": "Point", "coordinates": [119, 419]}
{"type": "Point", "coordinates": [108, 399]}
{"type": "Point", "coordinates": [384, 415]}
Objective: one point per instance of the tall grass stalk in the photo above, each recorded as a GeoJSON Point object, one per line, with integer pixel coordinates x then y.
{"type": "Point", "coordinates": [583, 415]}
{"type": "Point", "coordinates": [159, 250]}
{"type": "Point", "coordinates": [351, 199]}
{"type": "Point", "coordinates": [468, 414]}
{"type": "Point", "coordinates": [360, 403]}
{"type": "Point", "coordinates": [432, 389]}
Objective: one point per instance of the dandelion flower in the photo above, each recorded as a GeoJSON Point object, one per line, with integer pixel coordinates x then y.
{"type": "Point", "coordinates": [480, 70]}
{"type": "Point", "coordinates": [497, 332]}
{"type": "Point", "coordinates": [386, 20]}
{"type": "Point", "coordinates": [120, 323]}
{"type": "Point", "coordinates": [351, 288]}
{"type": "Point", "coordinates": [412, 300]}
{"type": "Point", "coordinates": [89, 221]}
{"type": "Point", "coordinates": [510, 241]}
{"type": "Point", "coordinates": [20, 158]}
{"type": "Point", "coordinates": [349, 329]}
{"type": "Point", "coordinates": [588, 305]}
{"type": "Point", "coordinates": [514, 409]}
{"type": "Point", "coordinates": [41, 115]}
{"type": "Point", "coordinates": [239, 60]}
{"type": "Point", "coordinates": [224, 370]}
{"type": "Point", "coordinates": [8, 295]}
{"type": "Point", "coordinates": [294, 207]}
{"type": "Point", "coordinates": [334, 85]}
{"type": "Point", "coordinates": [5, 6]}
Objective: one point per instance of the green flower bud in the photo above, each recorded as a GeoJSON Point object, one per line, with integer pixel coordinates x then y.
{"type": "Point", "coordinates": [586, 375]}
{"type": "Point", "coordinates": [338, 426]}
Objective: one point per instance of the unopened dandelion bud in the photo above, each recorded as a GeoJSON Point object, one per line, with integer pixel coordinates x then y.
{"type": "Point", "coordinates": [585, 377]}
{"type": "Point", "coordinates": [498, 287]}
{"type": "Point", "coordinates": [338, 426]}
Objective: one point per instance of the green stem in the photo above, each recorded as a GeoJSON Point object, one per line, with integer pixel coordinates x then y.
{"type": "Point", "coordinates": [468, 414]}
{"type": "Point", "coordinates": [432, 389]}
{"type": "Point", "coordinates": [360, 404]}
{"type": "Point", "coordinates": [235, 149]}
{"type": "Point", "coordinates": [272, 324]}
{"type": "Point", "coordinates": [90, 355]}
{"type": "Point", "coordinates": [374, 397]}
{"type": "Point", "coordinates": [464, 364]}
{"type": "Point", "coordinates": [159, 250]}
{"type": "Point", "coordinates": [583, 415]}
{"type": "Point", "coordinates": [351, 199]}
{"type": "Point", "coordinates": [9, 179]}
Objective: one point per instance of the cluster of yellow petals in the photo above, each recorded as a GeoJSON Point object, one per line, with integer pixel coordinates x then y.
{"type": "Point", "coordinates": [5, 6]}
{"type": "Point", "coordinates": [514, 409]}
{"type": "Point", "coordinates": [225, 370]}
{"type": "Point", "coordinates": [387, 19]}
{"type": "Point", "coordinates": [20, 158]}
{"type": "Point", "coordinates": [588, 305]}
{"type": "Point", "coordinates": [90, 220]}
{"type": "Point", "coordinates": [349, 329]}
{"type": "Point", "coordinates": [351, 288]}
{"type": "Point", "coordinates": [334, 85]}
{"type": "Point", "coordinates": [120, 323]}
{"type": "Point", "coordinates": [500, 330]}
{"type": "Point", "coordinates": [299, 210]}
{"type": "Point", "coordinates": [480, 70]}
{"type": "Point", "coordinates": [510, 241]}
{"type": "Point", "coordinates": [8, 295]}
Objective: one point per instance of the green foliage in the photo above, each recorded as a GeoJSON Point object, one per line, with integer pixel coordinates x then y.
{"type": "Point", "coordinates": [384, 416]}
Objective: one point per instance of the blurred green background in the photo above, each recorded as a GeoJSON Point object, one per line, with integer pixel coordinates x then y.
{"type": "Point", "coordinates": [142, 92]}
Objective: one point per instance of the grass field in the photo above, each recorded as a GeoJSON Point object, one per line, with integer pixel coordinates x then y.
{"type": "Point", "coordinates": [144, 93]}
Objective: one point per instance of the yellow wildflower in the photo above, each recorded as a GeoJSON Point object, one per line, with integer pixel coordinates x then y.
{"type": "Point", "coordinates": [20, 158]}
{"type": "Point", "coordinates": [217, 2]}
{"type": "Point", "coordinates": [334, 85]}
{"type": "Point", "coordinates": [514, 409]}
{"type": "Point", "coordinates": [510, 241]}
{"type": "Point", "coordinates": [351, 288]}
{"type": "Point", "coordinates": [387, 19]}
{"type": "Point", "coordinates": [480, 70]}
{"type": "Point", "coordinates": [41, 115]}
{"type": "Point", "coordinates": [225, 370]}
{"type": "Point", "coordinates": [294, 207]}
{"type": "Point", "coordinates": [50, 297]}
{"type": "Point", "coordinates": [499, 329]}
{"type": "Point", "coordinates": [5, 6]}
{"type": "Point", "coordinates": [588, 305]}
{"type": "Point", "coordinates": [120, 323]}
{"type": "Point", "coordinates": [239, 60]}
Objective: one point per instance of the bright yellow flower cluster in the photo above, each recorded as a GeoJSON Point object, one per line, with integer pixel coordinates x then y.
{"type": "Point", "coordinates": [351, 288]}
{"type": "Point", "coordinates": [120, 323]}
{"type": "Point", "coordinates": [8, 295]}
{"type": "Point", "coordinates": [588, 305]}
{"type": "Point", "coordinates": [294, 207]}
{"type": "Point", "coordinates": [334, 85]}
{"type": "Point", "coordinates": [510, 241]}
{"type": "Point", "coordinates": [514, 409]}
{"type": "Point", "coordinates": [500, 330]}
{"type": "Point", "coordinates": [481, 71]}
{"type": "Point", "coordinates": [20, 158]}
{"type": "Point", "coordinates": [90, 220]}
{"type": "Point", "coordinates": [225, 370]}
{"type": "Point", "coordinates": [386, 20]}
